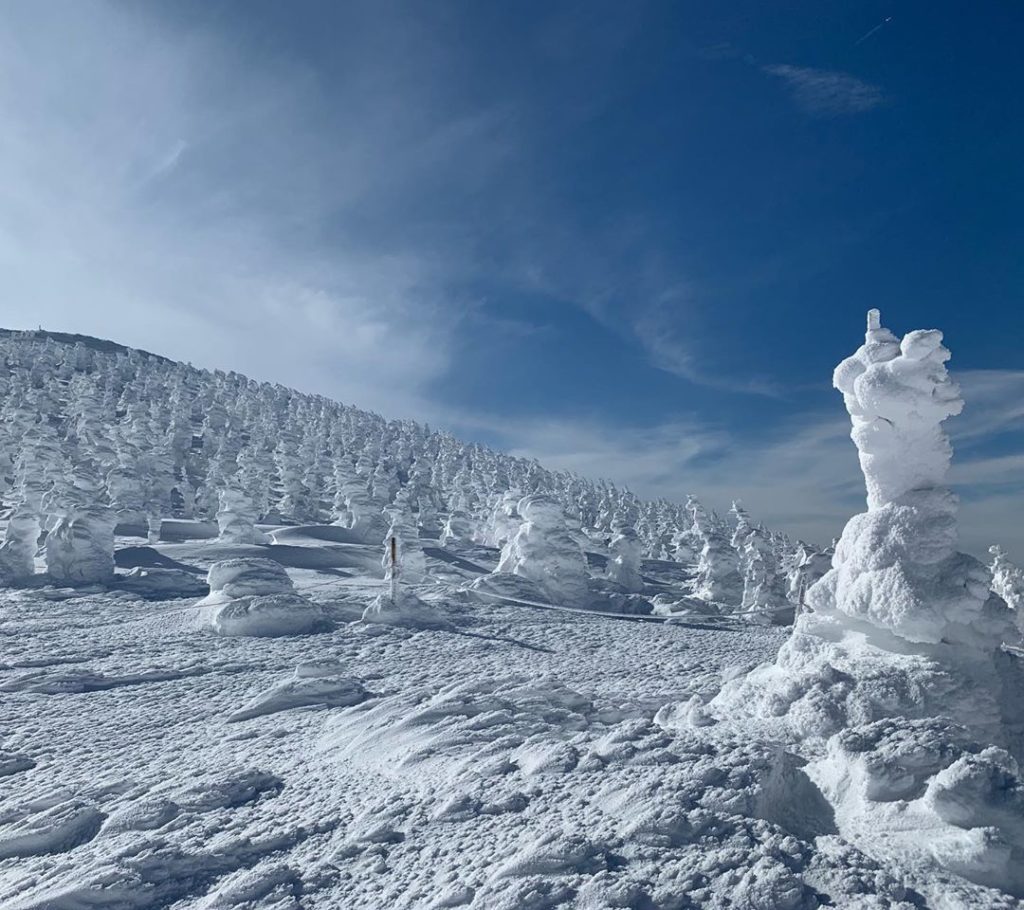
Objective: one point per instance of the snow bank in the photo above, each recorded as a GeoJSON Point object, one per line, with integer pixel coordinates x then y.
{"type": "Point", "coordinates": [404, 609]}
{"type": "Point", "coordinates": [314, 682]}
{"type": "Point", "coordinates": [255, 597]}
{"type": "Point", "coordinates": [894, 683]}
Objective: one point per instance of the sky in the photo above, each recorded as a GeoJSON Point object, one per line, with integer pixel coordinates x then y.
{"type": "Point", "coordinates": [628, 239]}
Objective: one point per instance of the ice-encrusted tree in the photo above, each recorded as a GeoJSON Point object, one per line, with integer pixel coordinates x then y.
{"type": "Point", "coordinates": [805, 566]}
{"type": "Point", "coordinates": [236, 516]}
{"type": "Point", "coordinates": [544, 552]}
{"type": "Point", "coordinates": [625, 559]}
{"type": "Point", "coordinates": [764, 583]}
{"type": "Point", "coordinates": [718, 577]}
{"type": "Point", "coordinates": [164, 439]}
{"type": "Point", "coordinates": [1008, 583]}
{"type": "Point", "coordinates": [894, 684]}
{"type": "Point", "coordinates": [411, 564]}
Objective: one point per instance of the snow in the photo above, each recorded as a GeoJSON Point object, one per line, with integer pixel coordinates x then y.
{"type": "Point", "coordinates": [894, 686]}
{"type": "Point", "coordinates": [80, 547]}
{"type": "Point", "coordinates": [543, 552]}
{"type": "Point", "coordinates": [502, 722]}
{"type": "Point", "coordinates": [254, 597]}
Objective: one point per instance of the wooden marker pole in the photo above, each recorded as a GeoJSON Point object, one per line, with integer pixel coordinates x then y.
{"type": "Point", "coordinates": [393, 549]}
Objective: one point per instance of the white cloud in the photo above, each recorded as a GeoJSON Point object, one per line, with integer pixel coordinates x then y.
{"type": "Point", "coordinates": [827, 93]}
{"type": "Point", "coordinates": [158, 189]}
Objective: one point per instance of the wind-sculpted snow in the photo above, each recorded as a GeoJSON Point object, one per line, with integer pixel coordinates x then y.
{"type": "Point", "coordinates": [554, 697]}
{"type": "Point", "coordinates": [255, 597]}
{"type": "Point", "coordinates": [895, 684]}
{"type": "Point", "coordinates": [502, 757]}
{"type": "Point", "coordinates": [543, 552]}
{"type": "Point", "coordinates": [80, 547]}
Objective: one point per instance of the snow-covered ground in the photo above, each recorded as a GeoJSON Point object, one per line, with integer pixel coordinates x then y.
{"type": "Point", "coordinates": [510, 759]}
{"type": "Point", "coordinates": [461, 694]}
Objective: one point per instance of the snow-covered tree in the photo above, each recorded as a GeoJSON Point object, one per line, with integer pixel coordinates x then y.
{"type": "Point", "coordinates": [544, 552]}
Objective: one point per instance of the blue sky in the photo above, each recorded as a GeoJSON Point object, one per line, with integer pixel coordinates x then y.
{"type": "Point", "coordinates": [628, 238]}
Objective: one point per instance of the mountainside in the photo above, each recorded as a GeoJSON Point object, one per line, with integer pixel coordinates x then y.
{"type": "Point", "coordinates": [88, 423]}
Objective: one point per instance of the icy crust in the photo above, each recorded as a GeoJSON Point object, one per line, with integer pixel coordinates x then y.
{"type": "Point", "coordinates": [255, 597]}
{"type": "Point", "coordinates": [80, 548]}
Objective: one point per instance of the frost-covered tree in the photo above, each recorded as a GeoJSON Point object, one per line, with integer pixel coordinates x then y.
{"type": "Point", "coordinates": [894, 684]}
{"type": "Point", "coordinates": [1008, 583]}
{"type": "Point", "coordinates": [718, 577]}
{"type": "Point", "coordinates": [544, 552]}
{"type": "Point", "coordinates": [625, 559]}
{"type": "Point", "coordinates": [411, 563]}
{"type": "Point", "coordinates": [236, 517]}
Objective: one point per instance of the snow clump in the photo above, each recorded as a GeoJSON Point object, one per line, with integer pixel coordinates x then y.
{"type": "Point", "coordinates": [255, 597]}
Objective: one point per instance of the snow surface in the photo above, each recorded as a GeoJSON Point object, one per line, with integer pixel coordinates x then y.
{"type": "Point", "coordinates": [210, 696]}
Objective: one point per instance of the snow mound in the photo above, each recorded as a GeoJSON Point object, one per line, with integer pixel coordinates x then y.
{"type": "Point", "coordinates": [314, 683]}
{"type": "Point", "coordinates": [157, 583]}
{"type": "Point", "coordinates": [244, 577]}
{"type": "Point", "coordinates": [255, 597]}
{"type": "Point", "coordinates": [268, 616]}
{"type": "Point", "coordinates": [404, 609]}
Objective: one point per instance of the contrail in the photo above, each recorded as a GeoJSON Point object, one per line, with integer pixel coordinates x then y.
{"type": "Point", "coordinates": [875, 29]}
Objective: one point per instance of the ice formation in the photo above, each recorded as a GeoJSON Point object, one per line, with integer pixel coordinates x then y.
{"type": "Point", "coordinates": [409, 561]}
{"type": "Point", "coordinates": [625, 559]}
{"type": "Point", "coordinates": [236, 517]}
{"type": "Point", "coordinates": [764, 582]}
{"type": "Point", "coordinates": [545, 553]}
{"type": "Point", "coordinates": [894, 684]}
{"type": "Point", "coordinates": [718, 577]}
{"type": "Point", "coordinates": [457, 527]}
{"type": "Point", "coordinates": [80, 548]}
{"type": "Point", "coordinates": [398, 605]}
{"type": "Point", "coordinates": [21, 541]}
{"type": "Point", "coordinates": [1008, 583]}
{"type": "Point", "coordinates": [256, 597]}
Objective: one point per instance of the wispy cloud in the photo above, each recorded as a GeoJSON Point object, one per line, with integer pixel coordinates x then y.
{"type": "Point", "coordinates": [827, 93]}
{"type": "Point", "coordinates": [159, 188]}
